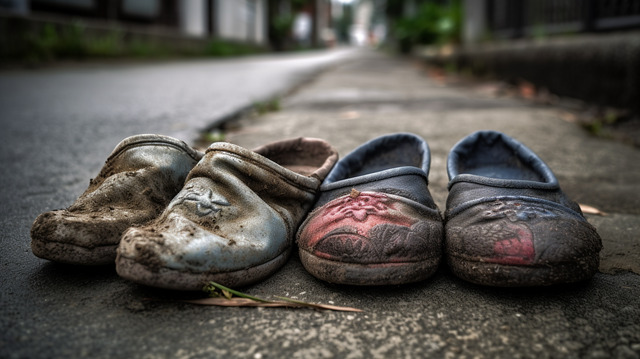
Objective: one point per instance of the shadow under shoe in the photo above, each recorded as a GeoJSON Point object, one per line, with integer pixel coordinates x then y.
{"type": "Point", "coordinates": [234, 220]}
{"type": "Point", "coordinates": [375, 222]}
{"type": "Point", "coordinates": [508, 223]}
{"type": "Point", "coordinates": [140, 177]}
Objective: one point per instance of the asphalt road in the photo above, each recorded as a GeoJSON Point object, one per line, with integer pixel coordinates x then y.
{"type": "Point", "coordinates": [59, 124]}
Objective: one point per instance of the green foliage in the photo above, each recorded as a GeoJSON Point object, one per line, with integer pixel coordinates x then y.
{"type": "Point", "coordinates": [147, 49]}
{"type": "Point", "coordinates": [282, 24]}
{"type": "Point", "coordinates": [40, 46]}
{"type": "Point", "coordinates": [343, 24]}
{"type": "Point", "coordinates": [61, 42]}
{"type": "Point", "coordinates": [394, 8]}
{"type": "Point", "coordinates": [213, 136]}
{"type": "Point", "coordinates": [280, 31]}
{"type": "Point", "coordinates": [595, 127]}
{"type": "Point", "coordinates": [72, 42]}
{"type": "Point", "coordinates": [602, 122]}
{"type": "Point", "coordinates": [51, 42]}
{"type": "Point", "coordinates": [431, 24]}
{"type": "Point", "coordinates": [109, 45]}
{"type": "Point", "coordinates": [298, 5]}
{"type": "Point", "coordinates": [222, 48]}
{"type": "Point", "coordinates": [267, 106]}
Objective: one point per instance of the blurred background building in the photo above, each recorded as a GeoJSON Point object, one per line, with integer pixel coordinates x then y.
{"type": "Point", "coordinates": [580, 49]}
{"type": "Point", "coordinates": [510, 19]}
{"type": "Point", "coordinates": [269, 24]}
{"type": "Point", "coordinates": [588, 49]}
{"type": "Point", "coordinates": [291, 24]}
{"type": "Point", "coordinates": [244, 20]}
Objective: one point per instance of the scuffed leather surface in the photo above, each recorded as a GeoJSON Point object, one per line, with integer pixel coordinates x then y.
{"type": "Point", "coordinates": [238, 209]}
{"type": "Point", "coordinates": [396, 164]}
{"type": "Point", "coordinates": [465, 193]}
{"type": "Point", "coordinates": [140, 177]}
{"type": "Point", "coordinates": [372, 227]}
{"type": "Point", "coordinates": [520, 232]}
{"type": "Point", "coordinates": [509, 219]}
{"type": "Point", "coordinates": [408, 182]}
{"type": "Point", "coordinates": [375, 207]}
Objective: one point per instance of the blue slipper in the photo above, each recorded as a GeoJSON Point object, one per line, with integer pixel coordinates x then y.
{"type": "Point", "coordinates": [375, 222]}
{"type": "Point", "coordinates": [508, 223]}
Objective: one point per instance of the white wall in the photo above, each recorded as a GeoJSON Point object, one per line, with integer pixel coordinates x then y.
{"type": "Point", "coordinates": [474, 26]}
{"type": "Point", "coordinates": [260, 35]}
{"type": "Point", "coordinates": [359, 32]}
{"type": "Point", "coordinates": [193, 18]}
{"type": "Point", "coordinates": [243, 20]}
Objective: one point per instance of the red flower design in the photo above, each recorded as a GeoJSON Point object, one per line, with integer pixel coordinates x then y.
{"type": "Point", "coordinates": [359, 205]}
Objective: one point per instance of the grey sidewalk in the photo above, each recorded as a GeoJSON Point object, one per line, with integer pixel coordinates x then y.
{"type": "Point", "coordinates": [377, 94]}
{"type": "Point", "coordinates": [93, 313]}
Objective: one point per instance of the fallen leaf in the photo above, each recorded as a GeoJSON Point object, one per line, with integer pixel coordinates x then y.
{"type": "Point", "coordinates": [237, 302]}
{"type": "Point", "coordinates": [354, 193]}
{"type": "Point", "coordinates": [591, 210]}
{"type": "Point", "coordinates": [568, 117]}
{"type": "Point", "coordinates": [216, 290]}
{"type": "Point", "coordinates": [285, 302]}
{"type": "Point", "coordinates": [220, 295]}
{"type": "Point", "coordinates": [349, 115]}
{"type": "Point", "coordinates": [438, 75]}
{"type": "Point", "coordinates": [320, 306]}
{"type": "Point", "coordinates": [527, 89]}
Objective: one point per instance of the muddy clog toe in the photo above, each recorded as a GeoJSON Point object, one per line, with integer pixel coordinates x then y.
{"type": "Point", "coordinates": [140, 177]}
{"type": "Point", "coordinates": [235, 219]}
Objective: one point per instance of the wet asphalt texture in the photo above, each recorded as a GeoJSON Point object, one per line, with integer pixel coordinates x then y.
{"type": "Point", "coordinates": [60, 124]}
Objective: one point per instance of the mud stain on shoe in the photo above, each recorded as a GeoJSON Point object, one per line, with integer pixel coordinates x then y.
{"type": "Point", "coordinates": [148, 257]}
{"type": "Point", "coordinates": [516, 248]}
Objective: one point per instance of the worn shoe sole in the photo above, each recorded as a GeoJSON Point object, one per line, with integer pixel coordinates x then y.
{"type": "Point", "coordinates": [504, 275]}
{"type": "Point", "coordinates": [51, 231]}
{"type": "Point", "coordinates": [72, 254]}
{"type": "Point", "coordinates": [182, 280]}
{"type": "Point", "coordinates": [368, 274]}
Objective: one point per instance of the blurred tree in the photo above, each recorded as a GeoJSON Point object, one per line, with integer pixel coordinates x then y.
{"type": "Point", "coordinates": [282, 15]}
{"type": "Point", "coordinates": [343, 23]}
{"type": "Point", "coordinates": [426, 22]}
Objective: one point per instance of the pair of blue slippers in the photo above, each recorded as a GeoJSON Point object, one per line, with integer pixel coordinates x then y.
{"type": "Point", "coordinates": [507, 222]}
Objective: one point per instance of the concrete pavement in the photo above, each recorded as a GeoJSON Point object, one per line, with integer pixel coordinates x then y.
{"type": "Point", "coordinates": [377, 94]}
{"type": "Point", "coordinates": [53, 310]}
